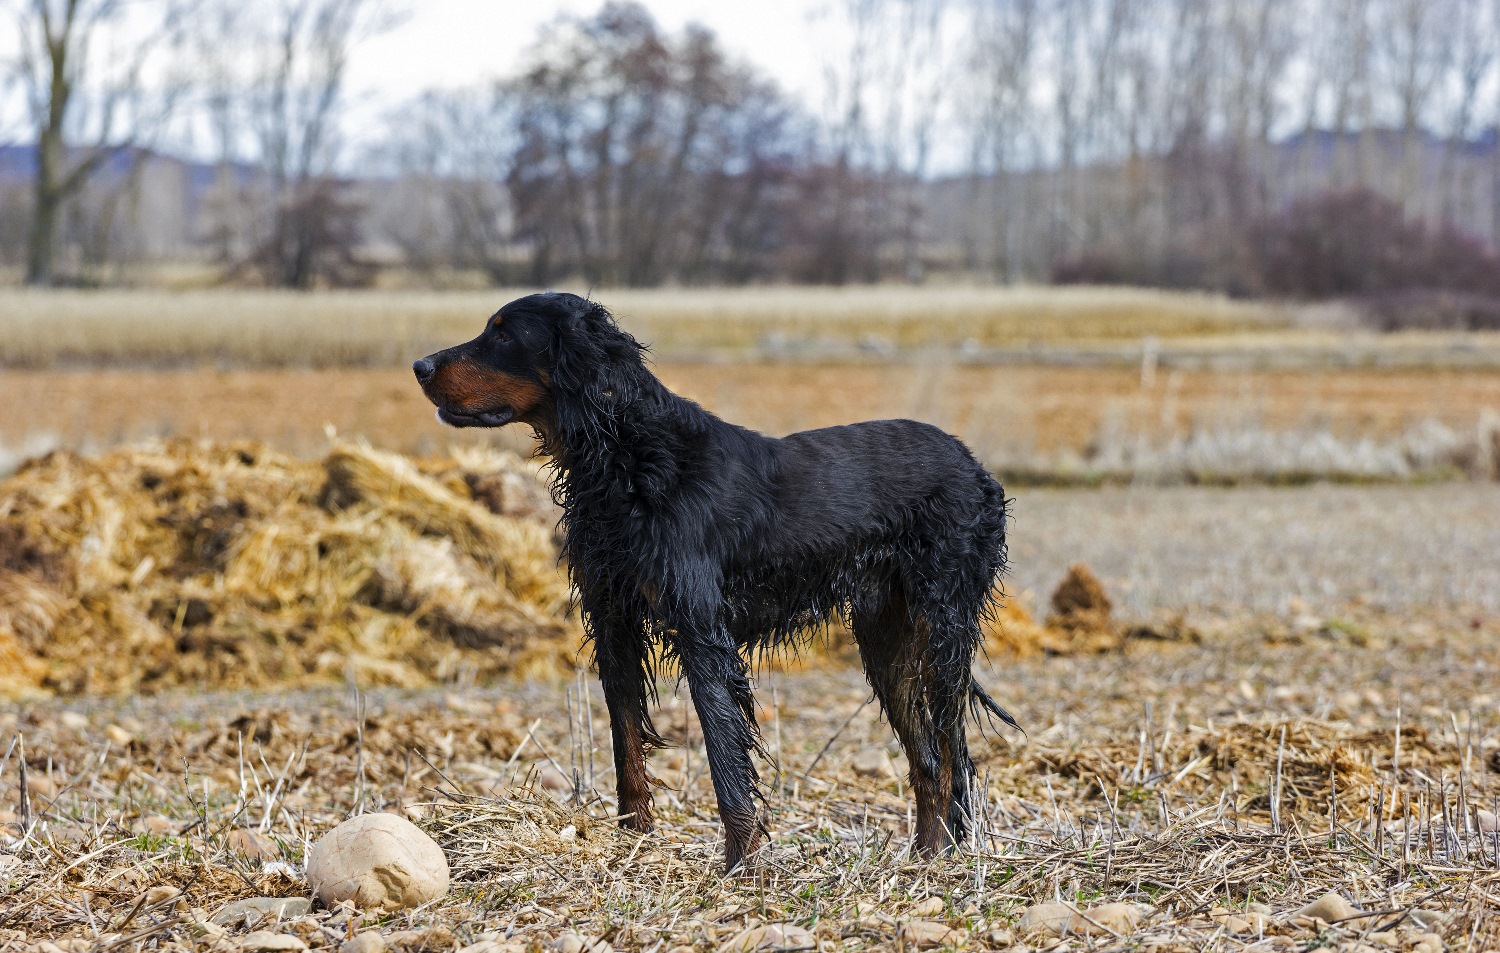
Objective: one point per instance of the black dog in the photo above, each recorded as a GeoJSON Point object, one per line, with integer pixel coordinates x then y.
{"type": "Point", "coordinates": [692, 538]}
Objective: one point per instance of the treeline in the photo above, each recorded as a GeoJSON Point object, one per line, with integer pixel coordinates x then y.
{"type": "Point", "coordinates": [1293, 147]}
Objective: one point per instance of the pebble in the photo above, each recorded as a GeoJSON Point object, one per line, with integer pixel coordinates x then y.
{"type": "Point", "coordinates": [41, 785]}
{"type": "Point", "coordinates": [571, 942]}
{"type": "Point", "coordinates": [874, 763]}
{"type": "Point", "coordinates": [74, 721]}
{"type": "Point", "coordinates": [1427, 943]}
{"type": "Point", "coordinates": [251, 844]}
{"type": "Point", "coordinates": [1328, 908]}
{"type": "Point", "coordinates": [264, 941]}
{"type": "Point", "coordinates": [931, 907]}
{"type": "Point", "coordinates": [769, 936]}
{"type": "Point", "coordinates": [159, 825]}
{"type": "Point", "coordinates": [554, 780]}
{"type": "Point", "coordinates": [118, 735]}
{"type": "Point", "coordinates": [1489, 823]}
{"type": "Point", "coordinates": [926, 934]}
{"type": "Point", "coordinates": [1051, 918]}
{"type": "Point", "coordinates": [161, 894]}
{"type": "Point", "coordinates": [494, 943]}
{"type": "Point", "coordinates": [1119, 918]}
{"type": "Point", "coordinates": [253, 910]}
{"type": "Point", "coordinates": [367, 942]}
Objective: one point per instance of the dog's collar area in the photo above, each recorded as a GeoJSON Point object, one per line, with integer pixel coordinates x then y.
{"type": "Point", "coordinates": [488, 418]}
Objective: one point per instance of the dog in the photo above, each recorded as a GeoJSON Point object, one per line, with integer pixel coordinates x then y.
{"type": "Point", "coordinates": [691, 539]}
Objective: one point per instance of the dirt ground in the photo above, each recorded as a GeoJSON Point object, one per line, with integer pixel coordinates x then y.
{"type": "Point", "coordinates": [1215, 790]}
{"type": "Point", "coordinates": [1002, 410]}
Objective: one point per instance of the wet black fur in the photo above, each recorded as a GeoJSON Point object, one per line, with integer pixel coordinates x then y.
{"type": "Point", "coordinates": [694, 539]}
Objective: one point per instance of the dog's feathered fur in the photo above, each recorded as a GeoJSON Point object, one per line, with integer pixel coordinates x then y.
{"type": "Point", "coordinates": [691, 538]}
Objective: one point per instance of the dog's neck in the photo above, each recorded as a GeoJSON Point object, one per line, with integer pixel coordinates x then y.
{"type": "Point", "coordinates": [613, 440]}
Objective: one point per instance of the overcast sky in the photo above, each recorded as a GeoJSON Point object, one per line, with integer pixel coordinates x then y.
{"type": "Point", "coordinates": [458, 42]}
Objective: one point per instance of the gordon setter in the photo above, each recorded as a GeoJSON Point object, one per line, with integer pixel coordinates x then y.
{"type": "Point", "coordinates": [691, 538]}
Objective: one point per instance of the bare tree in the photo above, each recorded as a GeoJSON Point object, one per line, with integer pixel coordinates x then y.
{"type": "Point", "coordinates": [642, 156]}
{"type": "Point", "coordinates": [87, 104]}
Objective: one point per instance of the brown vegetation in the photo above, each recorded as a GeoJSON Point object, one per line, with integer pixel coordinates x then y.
{"type": "Point", "coordinates": [232, 566]}
{"type": "Point", "coordinates": [1033, 423]}
{"type": "Point", "coordinates": [1216, 791]}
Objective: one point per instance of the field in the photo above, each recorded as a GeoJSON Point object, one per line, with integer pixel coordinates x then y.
{"type": "Point", "coordinates": [215, 651]}
{"type": "Point", "coordinates": [1216, 789]}
{"type": "Point", "coordinates": [269, 329]}
{"type": "Point", "coordinates": [1070, 386]}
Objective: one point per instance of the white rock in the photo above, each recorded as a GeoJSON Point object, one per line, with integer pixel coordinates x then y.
{"type": "Point", "coordinates": [366, 942]}
{"type": "Point", "coordinates": [1107, 918]}
{"type": "Point", "coordinates": [873, 763]}
{"type": "Point", "coordinates": [771, 936]}
{"type": "Point", "coordinates": [264, 941]}
{"type": "Point", "coordinates": [1330, 908]}
{"type": "Point", "coordinates": [926, 934]}
{"type": "Point", "coordinates": [1051, 918]}
{"type": "Point", "coordinates": [377, 862]}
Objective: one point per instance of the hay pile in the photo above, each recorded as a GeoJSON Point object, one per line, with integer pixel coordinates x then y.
{"type": "Point", "coordinates": [234, 567]}
{"type": "Point", "coordinates": [1081, 621]}
{"type": "Point", "coordinates": [231, 566]}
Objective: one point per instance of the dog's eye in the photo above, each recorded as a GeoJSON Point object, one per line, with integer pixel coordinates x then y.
{"type": "Point", "coordinates": [503, 337]}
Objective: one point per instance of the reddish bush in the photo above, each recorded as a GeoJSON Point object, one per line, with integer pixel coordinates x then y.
{"type": "Point", "coordinates": [1360, 243]}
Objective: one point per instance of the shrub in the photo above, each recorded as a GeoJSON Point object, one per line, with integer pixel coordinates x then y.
{"type": "Point", "coordinates": [1360, 243]}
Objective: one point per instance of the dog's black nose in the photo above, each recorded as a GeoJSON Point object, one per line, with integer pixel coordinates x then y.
{"type": "Point", "coordinates": [424, 369]}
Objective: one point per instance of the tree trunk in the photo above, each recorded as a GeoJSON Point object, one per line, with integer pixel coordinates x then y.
{"type": "Point", "coordinates": [49, 197]}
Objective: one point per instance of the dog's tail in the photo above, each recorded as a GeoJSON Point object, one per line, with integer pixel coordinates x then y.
{"type": "Point", "coordinates": [982, 703]}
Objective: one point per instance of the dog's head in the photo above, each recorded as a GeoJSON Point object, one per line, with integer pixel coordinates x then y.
{"type": "Point", "coordinates": [531, 351]}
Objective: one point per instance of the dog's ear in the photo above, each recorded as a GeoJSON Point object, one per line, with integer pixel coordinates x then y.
{"type": "Point", "coordinates": [594, 362]}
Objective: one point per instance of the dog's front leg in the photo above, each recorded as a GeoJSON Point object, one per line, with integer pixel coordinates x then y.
{"type": "Point", "coordinates": [720, 686]}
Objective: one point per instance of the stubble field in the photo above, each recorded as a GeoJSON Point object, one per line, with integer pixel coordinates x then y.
{"type": "Point", "coordinates": [1314, 709]}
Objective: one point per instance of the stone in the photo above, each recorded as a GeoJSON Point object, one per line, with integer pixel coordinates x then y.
{"type": "Point", "coordinates": [1109, 918]}
{"type": "Point", "coordinates": [74, 721]}
{"type": "Point", "coordinates": [264, 941]}
{"type": "Point", "coordinates": [1046, 918]}
{"type": "Point", "coordinates": [1489, 823]}
{"type": "Point", "coordinates": [926, 934]}
{"type": "Point", "coordinates": [931, 907]}
{"type": "Point", "coordinates": [1329, 908]}
{"type": "Point", "coordinates": [377, 861]}
{"type": "Point", "coordinates": [158, 825]}
{"type": "Point", "coordinates": [873, 763]}
{"type": "Point", "coordinates": [551, 779]}
{"type": "Point", "coordinates": [367, 942]}
{"type": "Point", "coordinates": [769, 936]}
{"type": "Point", "coordinates": [41, 785]}
{"type": "Point", "coordinates": [252, 911]}
{"type": "Point", "coordinates": [1427, 943]}
{"type": "Point", "coordinates": [161, 894]}
{"type": "Point", "coordinates": [494, 943]}
{"type": "Point", "coordinates": [571, 942]}
{"type": "Point", "coordinates": [118, 735]}
{"type": "Point", "coordinates": [251, 843]}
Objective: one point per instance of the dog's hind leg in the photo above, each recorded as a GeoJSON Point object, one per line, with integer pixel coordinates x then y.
{"type": "Point", "coordinates": [892, 648]}
{"type": "Point", "coordinates": [719, 682]}
{"type": "Point", "coordinates": [625, 673]}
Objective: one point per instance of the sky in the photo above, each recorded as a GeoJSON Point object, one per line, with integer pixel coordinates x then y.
{"type": "Point", "coordinates": [450, 43]}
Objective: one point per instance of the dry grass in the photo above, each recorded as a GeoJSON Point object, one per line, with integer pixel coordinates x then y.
{"type": "Point", "coordinates": [233, 566]}
{"type": "Point", "coordinates": [1031, 422]}
{"type": "Point", "coordinates": [270, 329]}
{"type": "Point", "coordinates": [1217, 789]}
